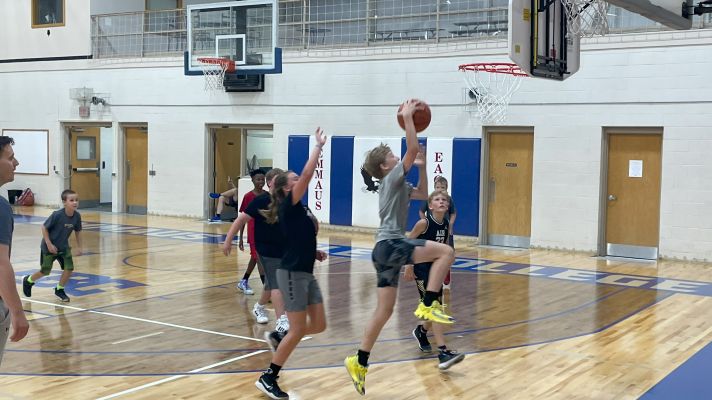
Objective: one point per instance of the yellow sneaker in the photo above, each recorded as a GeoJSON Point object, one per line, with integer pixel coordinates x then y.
{"type": "Point", "coordinates": [357, 373]}
{"type": "Point", "coordinates": [433, 313]}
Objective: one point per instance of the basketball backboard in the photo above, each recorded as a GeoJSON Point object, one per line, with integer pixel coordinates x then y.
{"type": "Point", "coordinates": [543, 45]}
{"type": "Point", "coordinates": [243, 31]}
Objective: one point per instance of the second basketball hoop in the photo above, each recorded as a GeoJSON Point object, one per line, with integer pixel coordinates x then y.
{"type": "Point", "coordinates": [214, 69]}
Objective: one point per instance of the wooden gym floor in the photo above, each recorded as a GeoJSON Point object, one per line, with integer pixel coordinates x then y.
{"type": "Point", "coordinates": [155, 315]}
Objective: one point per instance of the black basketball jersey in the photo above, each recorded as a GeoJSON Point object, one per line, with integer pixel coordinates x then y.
{"type": "Point", "coordinates": [436, 231]}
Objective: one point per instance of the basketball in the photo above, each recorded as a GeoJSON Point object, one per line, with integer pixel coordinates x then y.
{"type": "Point", "coordinates": [421, 118]}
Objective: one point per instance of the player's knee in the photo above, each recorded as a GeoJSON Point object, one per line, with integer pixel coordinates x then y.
{"type": "Point", "coordinates": [448, 253]}
{"type": "Point", "coordinates": [298, 330]}
{"type": "Point", "coordinates": [319, 326]}
{"type": "Point", "coordinates": [385, 310]}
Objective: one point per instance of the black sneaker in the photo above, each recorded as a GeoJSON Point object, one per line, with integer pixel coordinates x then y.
{"type": "Point", "coordinates": [60, 293]}
{"type": "Point", "coordinates": [422, 338]}
{"type": "Point", "coordinates": [27, 286]}
{"type": "Point", "coordinates": [268, 386]}
{"type": "Point", "coordinates": [273, 339]}
{"type": "Point", "coordinates": [448, 358]}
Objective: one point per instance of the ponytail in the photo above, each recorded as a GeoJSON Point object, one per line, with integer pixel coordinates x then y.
{"type": "Point", "coordinates": [278, 196]}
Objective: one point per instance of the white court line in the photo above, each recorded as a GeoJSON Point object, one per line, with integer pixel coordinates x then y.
{"type": "Point", "coordinates": [137, 338]}
{"type": "Point", "coordinates": [150, 321]}
{"type": "Point", "coordinates": [172, 378]}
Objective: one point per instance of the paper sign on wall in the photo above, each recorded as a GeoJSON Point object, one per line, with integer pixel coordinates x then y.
{"type": "Point", "coordinates": [635, 168]}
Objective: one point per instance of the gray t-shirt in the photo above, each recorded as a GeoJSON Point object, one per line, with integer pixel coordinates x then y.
{"type": "Point", "coordinates": [7, 223]}
{"type": "Point", "coordinates": [60, 226]}
{"type": "Point", "coordinates": [393, 201]}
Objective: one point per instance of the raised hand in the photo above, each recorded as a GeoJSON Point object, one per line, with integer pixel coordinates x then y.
{"type": "Point", "coordinates": [320, 137]}
{"type": "Point", "coordinates": [420, 158]}
{"type": "Point", "coordinates": [410, 106]}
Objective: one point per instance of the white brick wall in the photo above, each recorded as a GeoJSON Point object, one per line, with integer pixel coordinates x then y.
{"type": "Point", "coordinates": [622, 83]}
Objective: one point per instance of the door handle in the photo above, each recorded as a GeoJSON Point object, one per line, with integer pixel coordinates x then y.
{"type": "Point", "coordinates": [492, 189]}
{"type": "Point", "coordinates": [612, 197]}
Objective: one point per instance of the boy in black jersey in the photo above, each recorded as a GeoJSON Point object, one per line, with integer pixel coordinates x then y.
{"type": "Point", "coordinates": [451, 215]}
{"type": "Point", "coordinates": [436, 227]}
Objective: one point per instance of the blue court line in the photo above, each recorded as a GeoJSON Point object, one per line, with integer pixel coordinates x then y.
{"type": "Point", "coordinates": [468, 331]}
{"type": "Point", "coordinates": [40, 313]}
{"type": "Point", "coordinates": [132, 353]}
{"type": "Point", "coordinates": [689, 381]}
{"type": "Point", "coordinates": [340, 365]}
{"type": "Point", "coordinates": [461, 263]}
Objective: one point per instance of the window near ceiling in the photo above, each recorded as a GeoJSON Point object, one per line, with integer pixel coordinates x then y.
{"type": "Point", "coordinates": [47, 13]}
{"type": "Point", "coordinates": [156, 5]}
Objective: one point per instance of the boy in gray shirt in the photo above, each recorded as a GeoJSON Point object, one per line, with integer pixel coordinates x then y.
{"type": "Point", "coordinates": [55, 244]}
{"type": "Point", "coordinates": [392, 249]}
{"type": "Point", "coordinates": [10, 304]}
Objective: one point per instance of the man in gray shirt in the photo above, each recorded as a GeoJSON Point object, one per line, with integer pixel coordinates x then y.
{"type": "Point", "coordinates": [10, 304]}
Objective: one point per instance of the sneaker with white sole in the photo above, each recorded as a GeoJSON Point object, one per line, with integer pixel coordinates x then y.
{"type": "Point", "coordinates": [260, 314]}
{"type": "Point", "coordinates": [245, 287]}
{"type": "Point", "coordinates": [282, 325]}
{"type": "Point", "coordinates": [268, 385]}
{"type": "Point", "coordinates": [447, 358]}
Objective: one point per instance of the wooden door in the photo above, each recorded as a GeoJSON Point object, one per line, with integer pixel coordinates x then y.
{"type": "Point", "coordinates": [510, 188]}
{"type": "Point", "coordinates": [633, 197]}
{"type": "Point", "coordinates": [84, 165]}
{"type": "Point", "coordinates": [228, 157]}
{"type": "Point", "coordinates": [136, 170]}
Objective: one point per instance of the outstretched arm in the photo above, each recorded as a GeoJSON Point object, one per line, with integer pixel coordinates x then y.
{"type": "Point", "coordinates": [303, 183]}
{"type": "Point", "coordinates": [411, 137]}
{"type": "Point", "coordinates": [420, 192]}
{"type": "Point", "coordinates": [239, 223]}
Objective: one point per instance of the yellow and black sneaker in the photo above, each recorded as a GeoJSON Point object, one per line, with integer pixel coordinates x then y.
{"type": "Point", "coordinates": [433, 313]}
{"type": "Point", "coordinates": [357, 373]}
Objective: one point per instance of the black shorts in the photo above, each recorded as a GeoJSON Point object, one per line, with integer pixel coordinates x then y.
{"type": "Point", "coordinates": [422, 273]}
{"type": "Point", "coordinates": [390, 255]}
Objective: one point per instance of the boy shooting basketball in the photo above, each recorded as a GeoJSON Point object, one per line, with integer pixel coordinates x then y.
{"type": "Point", "coordinates": [392, 249]}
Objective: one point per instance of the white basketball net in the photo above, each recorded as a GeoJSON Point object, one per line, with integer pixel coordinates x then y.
{"type": "Point", "coordinates": [491, 87]}
{"type": "Point", "coordinates": [214, 74]}
{"type": "Point", "coordinates": [586, 18]}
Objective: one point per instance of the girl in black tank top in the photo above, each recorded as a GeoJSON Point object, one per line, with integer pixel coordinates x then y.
{"type": "Point", "coordinates": [300, 290]}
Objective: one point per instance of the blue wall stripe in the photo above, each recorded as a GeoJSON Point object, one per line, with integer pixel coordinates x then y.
{"type": "Point", "coordinates": [466, 155]}
{"type": "Point", "coordinates": [412, 177]}
{"type": "Point", "coordinates": [341, 185]}
{"type": "Point", "coordinates": [690, 381]}
{"type": "Point", "coordinates": [297, 156]}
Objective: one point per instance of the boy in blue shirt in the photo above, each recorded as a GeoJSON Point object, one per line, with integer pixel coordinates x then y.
{"type": "Point", "coordinates": [55, 244]}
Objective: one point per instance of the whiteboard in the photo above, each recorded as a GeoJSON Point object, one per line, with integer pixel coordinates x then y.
{"type": "Point", "coordinates": [31, 150]}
